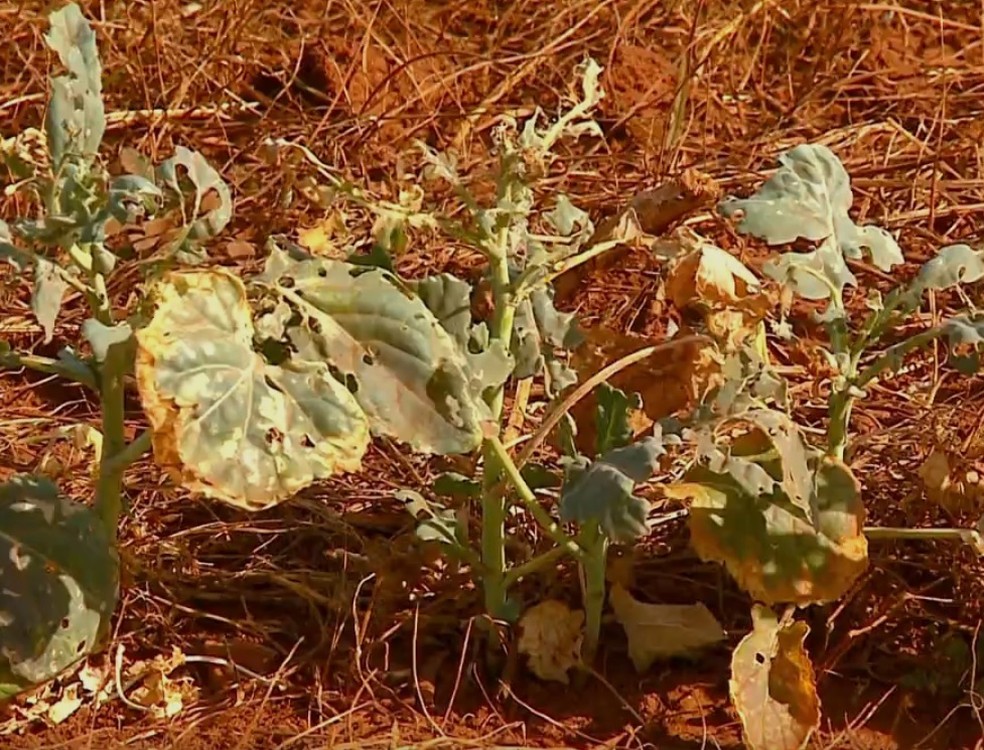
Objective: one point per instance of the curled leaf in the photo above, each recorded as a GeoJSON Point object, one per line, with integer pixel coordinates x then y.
{"type": "Point", "coordinates": [602, 491]}
{"type": "Point", "coordinates": [60, 577]}
{"type": "Point", "coordinates": [773, 686]}
{"type": "Point", "coordinates": [662, 631]}
{"type": "Point", "coordinates": [550, 637]}
{"type": "Point", "coordinates": [224, 421]}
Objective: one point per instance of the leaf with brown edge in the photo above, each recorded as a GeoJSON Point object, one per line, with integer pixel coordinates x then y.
{"type": "Point", "coordinates": [773, 686]}
{"type": "Point", "coordinates": [224, 421]}
{"type": "Point", "coordinates": [661, 631]}
{"type": "Point", "coordinates": [704, 277]}
{"type": "Point", "coordinates": [777, 550]}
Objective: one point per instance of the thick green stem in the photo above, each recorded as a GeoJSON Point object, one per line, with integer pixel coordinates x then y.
{"type": "Point", "coordinates": [593, 565]}
{"type": "Point", "coordinates": [109, 488]}
{"type": "Point", "coordinates": [494, 505]}
{"type": "Point", "coordinates": [840, 415]}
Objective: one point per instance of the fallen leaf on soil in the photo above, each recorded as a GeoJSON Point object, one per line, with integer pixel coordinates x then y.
{"type": "Point", "coordinates": [772, 684]}
{"type": "Point", "coordinates": [158, 692]}
{"type": "Point", "coordinates": [65, 706]}
{"type": "Point", "coordinates": [951, 487]}
{"type": "Point", "coordinates": [661, 631]}
{"type": "Point", "coordinates": [550, 636]}
{"type": "Point", "coordinates": [321, 238]}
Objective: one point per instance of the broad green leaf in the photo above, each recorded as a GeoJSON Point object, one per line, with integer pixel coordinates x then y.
{"type": "Point", "coordinates": [225, 422]}
{"type": "Point", "coordinates": [809, 197]}
{"type": "Point", "coordinates": [101, 337]}
{"type": "Point", "coordinates": [612, 419]}
{"type": "Point", "coordinates": [60, 580]}
{"type": "Point", "coordinates": [412, 379]}
{"type": "Point", "coordinates": [449, 300]}
{"type": "Point", "coordinates": [602, 491]}
{"type": "Point", "coordinates": [663, 631]}
{"type": "Point", "coordinates": [772, 685]}
{"type": "Point", "coordinates": [49, 289]}
{"type": "Point", "coordinates": [76, 119]}
{"type": "Point", "coordinates": [566, 217]}
{"type": "Point", "coordinates": [776, 550]}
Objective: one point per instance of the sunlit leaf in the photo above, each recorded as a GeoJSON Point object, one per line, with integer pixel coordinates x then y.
{"type": "Point", "coordinates": [225, 422]}
{"type": "Point", "coordinates": [60, 577]}
{"type": "Point", "coordinates": [411, 377]}
{"type": "Point", "coordinates": [76, 119]}
{"type": "Point", "coordinates": [101, 337]}
{"type": "Point", "coordinates": [662, 631]}
{"type": "Point", "coordinates": [809, 197]}
{"type": "Point", "coordinates": [776, 549]}
{"type": "Point", "coordinates": [773, 686]}
{"type": "Point", "coordinates": [49, 289]}
{"type": "Point", "coordinates": [205, 180]}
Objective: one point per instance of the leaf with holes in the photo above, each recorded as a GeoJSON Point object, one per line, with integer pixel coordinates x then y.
{"type": "Point", "coordinates": [542, 333]}
{"type": "Point", "coordinates": [206, 181]}
{"type": "Point", "coordinates": [412, 378]}
{"type": "Point", "coordinates": [225, 422]}
{"type": "Point", "coordinates": [776, 549]}
{"type": "Point", "coordinates": [772, 684]}
{"type": "Point", "coordinates": [60, 579]}
{"type": "Point", "coordinates": [76, 118]}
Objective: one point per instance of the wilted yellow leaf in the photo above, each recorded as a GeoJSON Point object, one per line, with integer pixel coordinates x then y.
{"type": "Point", "coordinates": [950, 485]}
{"type": "Point", "coordinates": [550, 636]}
{"type": "Point", "coordinates": [773, 686]}
{"type": "Point", "coordinates": [660, 631]}
{"type": "Point", "coordinates": [321, 238]}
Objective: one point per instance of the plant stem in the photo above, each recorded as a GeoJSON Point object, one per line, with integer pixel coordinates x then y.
{"type": "Point", "coordinates": [551, 527]}
{"type": "Point", "coordinates": [494, 505]}
{"type": "Point", "coordinates": [840, 415]}
{"type": "Point", "coordinates": [593, 565]}
{"type": "Point", "coordinates": [968, 536]}
{"type": "Point", "coordinates": [109, 487]}
{"type": "Point", "coordinates": [131, 453]}
{"type": "Point", "coordinates": [514, 574]}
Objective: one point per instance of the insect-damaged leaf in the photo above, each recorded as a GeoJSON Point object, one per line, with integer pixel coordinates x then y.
{"type": "Point", "coordinates": [541, 334]}
{"type": "Point", "coordinates": [412, 378]}
{"type": "Point", "coordinates": [60, 577]}
{"type": "Point", "coordinates": [46, 301]}
{"type": "Point", "coordinates": [661, 631]}
{"type": "Point", "coordinates": [205, 181]}
{"type": "Point", "coordinates": [602, 491]}
{"type": "Point", "coordinates": [777, 550]}
{"type": "Point", "coordinates": [225, 422]}
{"type": "Point", "coordinates": [773, 686]}
{"type": "Point", "coordinates": [809, 197]}
{"type": "Point", "coordinates": [76, 119]}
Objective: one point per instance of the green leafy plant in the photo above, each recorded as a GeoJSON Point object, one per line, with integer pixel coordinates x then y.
{"type": "Point", "coordinates": [61, 567]}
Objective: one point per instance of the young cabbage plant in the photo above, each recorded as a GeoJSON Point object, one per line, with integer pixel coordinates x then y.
{"type": "Point", "coordinates": [599, 497]}
{"type": "Point", "coordinates": [809, 197]}
{"type": "Point", "coordinates": [60, 564]}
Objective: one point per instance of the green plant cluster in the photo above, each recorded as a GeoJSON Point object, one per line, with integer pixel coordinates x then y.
{"type": "Point", "coordinates": [256, 387]}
